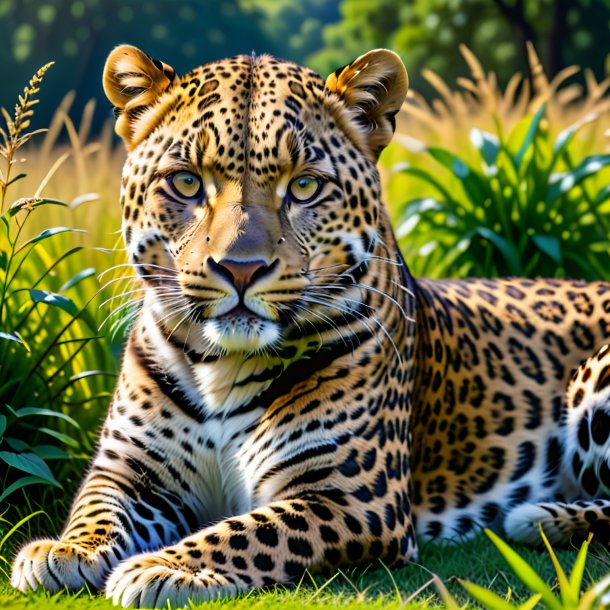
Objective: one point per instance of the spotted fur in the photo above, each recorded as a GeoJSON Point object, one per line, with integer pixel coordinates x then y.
{"type": "Point", "coordinates": [290, 397]}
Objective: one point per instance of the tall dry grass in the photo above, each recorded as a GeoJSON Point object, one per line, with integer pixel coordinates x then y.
{"type": "Point", "coordinates": [472, 136]}
{"type": "Point", "coordinates": [56, 370]}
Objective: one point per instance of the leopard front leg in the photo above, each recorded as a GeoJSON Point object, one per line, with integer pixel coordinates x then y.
{"type": "Point", "coordinates": [95, 539]}
{"type": "Point", "coordinates": [114, 516]}
{"type": "Point", "coordinates": [135, 497]}
{"type": "Point", "coordinates": [273, 544]}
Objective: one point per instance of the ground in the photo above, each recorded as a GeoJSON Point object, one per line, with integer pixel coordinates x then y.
{"type": "Point", "coordinates": [476, 560]}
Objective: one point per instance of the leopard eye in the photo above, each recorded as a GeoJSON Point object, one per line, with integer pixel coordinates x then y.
{"type": "Point", "coordinates": [186, 185]}
{"type": "Point", "coordinates": [303, 189]}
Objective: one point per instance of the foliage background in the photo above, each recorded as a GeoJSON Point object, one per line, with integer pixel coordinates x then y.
{"type": "Point", "coordinates": [323, 34]}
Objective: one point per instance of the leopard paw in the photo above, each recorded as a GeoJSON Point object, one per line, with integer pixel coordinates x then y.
{"type": "Point", "coordinates": [56, 565]}
{"type": "Point", "coordinates": [150, 581]}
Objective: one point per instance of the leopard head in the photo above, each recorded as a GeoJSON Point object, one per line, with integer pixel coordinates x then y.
{"type": "Point", "coordinates": [251, 199]}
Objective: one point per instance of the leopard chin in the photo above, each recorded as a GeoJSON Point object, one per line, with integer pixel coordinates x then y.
{"type": "Point", "coordinates": [242, 333]}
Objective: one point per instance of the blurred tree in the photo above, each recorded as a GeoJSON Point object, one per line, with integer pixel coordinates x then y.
{"type": "Point", "coordinates": [294, 29]}
{"type": "Point", "coordinates": [427, 33]}
{"type": "Point", "coordinates": [78, 34]}
{"type": "Point", "coordinates": [324, 34]}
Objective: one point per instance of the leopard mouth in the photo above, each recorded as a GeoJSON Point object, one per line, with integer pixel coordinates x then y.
{"type": "Point", "coordinates": [239, 312]}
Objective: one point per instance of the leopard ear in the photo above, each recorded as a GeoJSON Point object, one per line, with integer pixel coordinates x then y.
{"type": "Point", "coordinates": [134, 83]}
{"type": "Point", "coordinates": [372, 88]}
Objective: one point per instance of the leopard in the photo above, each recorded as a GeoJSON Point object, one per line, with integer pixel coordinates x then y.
{"type": "Point", "coordinates": [291, 398]}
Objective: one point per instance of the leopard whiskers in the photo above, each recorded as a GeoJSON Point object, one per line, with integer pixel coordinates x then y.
{"type": "Point", "coordinates": [174, 272]}
{"type": "Point", "coordinates": [327, 267]}
{"type": "Point", "coordinates": [327, 301]}
{"type": "Point", "coordinates": [134, 304]}
{"type": "Point", "coordinates": [330, 303]}
{"type": "Point", "coordinates": [189, 312]}
{"type": "Point", "coordinates": [385, 295]}
{"type": "Point", "coordinates": [383, 259]}
{"type": "Point", "coordinates": [403, 288]}
{"type": "Point", "coordinates": [126, 293]}
{"type": "Point", "coordinates": [324, 318]}
{"type": "Point", "coordinates": [366, 287]}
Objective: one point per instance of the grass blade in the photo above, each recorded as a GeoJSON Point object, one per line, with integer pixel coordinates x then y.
{"type": "Point", "coordinates": [19, 524]}
{"type": "Point", "coordinates": [488, 599]}
{"type": "Point", "coordinates": [569, 596]}
{"type": "Point", "coordinates": [578, 569]}
{"type": "Point", "coordinates": [525, 572]}
{"type": "Point", "coordinates": [529, 136]}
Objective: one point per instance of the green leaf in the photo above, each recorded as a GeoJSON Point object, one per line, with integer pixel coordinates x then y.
{"type": "Point", "coordinates": [56, 300]}
{"type": "Point", "coordinates": [531, 603]}
{"type": "Point", "coordinates": [16, 179]}
{"type": "Point", "coordinates": [5, 218]}
{"type": "Point", "coordinates": [448, 599]}
{"type": "Point", "coordinates": [475, 187]}
{"type": "Point", "coordinates": [64, 438]}
{"type": "Point", "coordinates": [525, 572]}
{"type": "Point", "coordinates": [550, 245]}
{"type": "Point", "coordinates": [50, 452]}
{"type": "Point", "coordinates": [587, 167]}
{"type": "Point", "coordinates": [30, 463]}
{"type": "Point", "coordinates": [30, 204]}
{"type": "Point", "coordinates": [19, 483]}
{"type": "Point", "coordinates": [3, 423]}
{"type": "Point", "coordinates": [50, 233]}
{"type": "Point", "coordinates": [3, 260]}
{"type": "Point", "coordinates": [578, 569]}
{"type": "Point", "coordinates": [78, 278]}
{"type": "Point", "coordinates": [602, 195]}
{"type": "Point", "coordinates": [507, 249]}
{"type": "Point", "coordinates": [565, 136]}
{"type": "Point", "coordinates": [413, 211]}
{"type": "Point", "coordinates": [421, 206]}
{"type": "Point", "coordinates": [596, 596]}
{"type": "Point", "coordinates": [27, 411]}
{"type": "Point", "coordinates": [488, 599]}
{"type": "Point", "coordinates": [569, 597]}
{"type": "Point", "coordinates": [426, 177]}
{"type": "Point", "coordinates": [10, 337]}
{"type": "Point", "coordinates": [585, 265]}
{"type": "Point", "coordinates": [529, 136]}
{"type": "Point", "coordinates": [487, 144]}
{"type": "Point", "coordinates": [16, 444]}
{"type": "Point", "coordinates": [452, 162]}
{"type": "Point", "coordinates": [93, 373]}
{"type": "Point", "coordinates": [19, 524]}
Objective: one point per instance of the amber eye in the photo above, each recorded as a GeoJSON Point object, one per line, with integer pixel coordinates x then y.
{"type": "Point", "coordinates": [186, 184]}
{"type": "Point", "coordinates": [304, 188]}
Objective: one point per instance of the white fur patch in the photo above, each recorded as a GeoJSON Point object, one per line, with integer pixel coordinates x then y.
{"type": "Point", "coordinates": [242, 334]}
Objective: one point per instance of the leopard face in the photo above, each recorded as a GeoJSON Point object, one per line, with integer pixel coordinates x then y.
{"type": "Point", "coordinates": [251, 200]}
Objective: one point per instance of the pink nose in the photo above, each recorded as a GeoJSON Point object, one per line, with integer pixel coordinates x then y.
{"type": "Point", "coordinates": [240, 273]}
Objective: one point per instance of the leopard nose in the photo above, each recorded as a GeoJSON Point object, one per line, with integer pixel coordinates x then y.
{"type": "Point", "coordinates": [240, 273]}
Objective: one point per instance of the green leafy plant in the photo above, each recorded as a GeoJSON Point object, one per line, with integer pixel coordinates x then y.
{"type": "Point", "coordinates": [46, 333]}
{"type": "Point", "coordinates": [522, 198]}
{"type": "Point", "coordinates": [570, 597]}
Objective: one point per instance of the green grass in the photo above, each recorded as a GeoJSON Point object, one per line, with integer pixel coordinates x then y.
{"type": "Point", "coordinates": [411, 586]}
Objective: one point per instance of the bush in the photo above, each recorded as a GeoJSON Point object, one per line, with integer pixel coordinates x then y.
{"type": "Point", "coordinates": [521, 194]}
{"type": "Point", "coordinates": [54, 367]}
